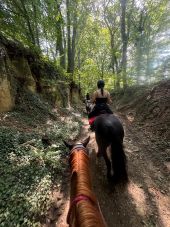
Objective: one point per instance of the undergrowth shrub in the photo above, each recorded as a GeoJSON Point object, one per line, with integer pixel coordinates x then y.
{"type": "Point", "coordinates": [28, 171]}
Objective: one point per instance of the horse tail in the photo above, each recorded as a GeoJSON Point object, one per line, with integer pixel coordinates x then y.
{"type": "Point", "coordinates": [119, 162]}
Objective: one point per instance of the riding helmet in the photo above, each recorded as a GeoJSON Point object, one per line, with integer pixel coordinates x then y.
{"type": "Point", "coordinates": [100, 83]}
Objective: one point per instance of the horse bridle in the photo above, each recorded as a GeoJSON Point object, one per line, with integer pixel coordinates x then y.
{"type": "Point", "coordinates": [77, 199]}
{"type": "Point", "coordinates": [78, 147]}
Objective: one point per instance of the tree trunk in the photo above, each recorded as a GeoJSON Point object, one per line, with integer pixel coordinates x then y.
{"type": "Point", "coordinates": [138, 61]}
{"type": "Point", "coordinates": [64, 45]}
{"type": "Point", "coordinates": [140, 43]}
{"type": "Point", "coordinates": [114, 63]}
{"type": "Point", "coordinates": [112, 53]}
{"type": "Point", "coordinates": [102, 70]}
{"type": "Point", "coordinates": [124, 41]}
{"type": "Point", "coordinates": [148, 53]}
{"type": "Point", "coordinates": [79, 66]}
{"type": "Point", "coordinates": [31, 33]}
{"type": "Point", "coordinates": [36, 25]}
{"type": "Point", "coordinates": [59, 43]}
{"type": "Point", "coordinates": [74, 43]}
{"type": "Point", "coordinates": [148, 64]}
{"type": "Point", "coordinates": [69, 50]}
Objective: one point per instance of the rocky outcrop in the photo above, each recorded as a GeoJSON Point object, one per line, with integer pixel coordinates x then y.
{"type": "Point", "coordinates": [7, 100]}
{"type": "Point", "coordinates": [21, 68]}
{"type": "Point", "coordinates": [23, 73]}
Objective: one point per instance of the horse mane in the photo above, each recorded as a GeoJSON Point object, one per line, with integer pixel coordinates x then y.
{"type": "Point", "coordinates": [87, 210]}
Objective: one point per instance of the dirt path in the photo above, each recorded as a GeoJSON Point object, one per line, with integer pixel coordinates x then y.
{"type": "Point", "coordinates": [145, 201]}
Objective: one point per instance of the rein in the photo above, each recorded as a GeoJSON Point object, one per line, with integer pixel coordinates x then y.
{"type": "Point", "coordinates": [78, 147]}
{"type": "Point", "coordinates": [77, 199]}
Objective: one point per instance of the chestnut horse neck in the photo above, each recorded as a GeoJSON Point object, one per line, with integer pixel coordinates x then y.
{"type": "Point", "coordinates": [84, 208]}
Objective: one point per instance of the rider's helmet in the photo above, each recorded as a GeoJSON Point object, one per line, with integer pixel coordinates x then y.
{"type": "Point", "coordinates": [100, 84]}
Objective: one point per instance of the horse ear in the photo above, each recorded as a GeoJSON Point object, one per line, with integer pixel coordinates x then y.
{"type": "Point", "coordinates": [86, 141]}
{"type": "Point", "coordinates": [70, 146]}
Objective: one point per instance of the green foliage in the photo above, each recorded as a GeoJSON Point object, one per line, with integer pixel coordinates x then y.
{"type": "Point", "coordinates": [31, 109]}
{"type": "Point", "coordinates": [43, 26]}
{"type": "Point", "coordinates": [94, 46]}
{"type": "Point", "coordinates": [20, 177]}
{"type": "Point", "coordinates": [28, 171]}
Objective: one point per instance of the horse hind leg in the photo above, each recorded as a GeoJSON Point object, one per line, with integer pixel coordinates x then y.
{"type": "Point", "coordinates": [109, 155]}
{"type": "Point", "coordinates": [102, 147]}
{"type": "Point", "coordinates": [108, 164]}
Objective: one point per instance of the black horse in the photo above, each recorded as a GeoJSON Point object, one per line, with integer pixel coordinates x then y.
{"type": "Point", "coordinates": [109, 134]}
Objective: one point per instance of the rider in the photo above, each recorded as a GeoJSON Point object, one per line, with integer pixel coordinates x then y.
{"type": "Point", "coordinates": [87, 102]}
{"type": "Point", "coordinates": [100, 98]}
{"type": "Point", "coordinates": [87, 96]}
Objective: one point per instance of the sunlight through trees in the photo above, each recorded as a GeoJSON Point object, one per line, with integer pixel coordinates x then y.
{"type": "Point", "coordinates": [124, 42]}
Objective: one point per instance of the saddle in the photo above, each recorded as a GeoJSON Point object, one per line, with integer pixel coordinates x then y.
{"type": "Point", "coordinates": [101, 107]}
{"type": "Point", "coordinates": [92, 119]}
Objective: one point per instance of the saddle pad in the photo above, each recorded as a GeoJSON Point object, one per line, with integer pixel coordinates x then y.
{"type": "Point", "coordinates": [91, 120]}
